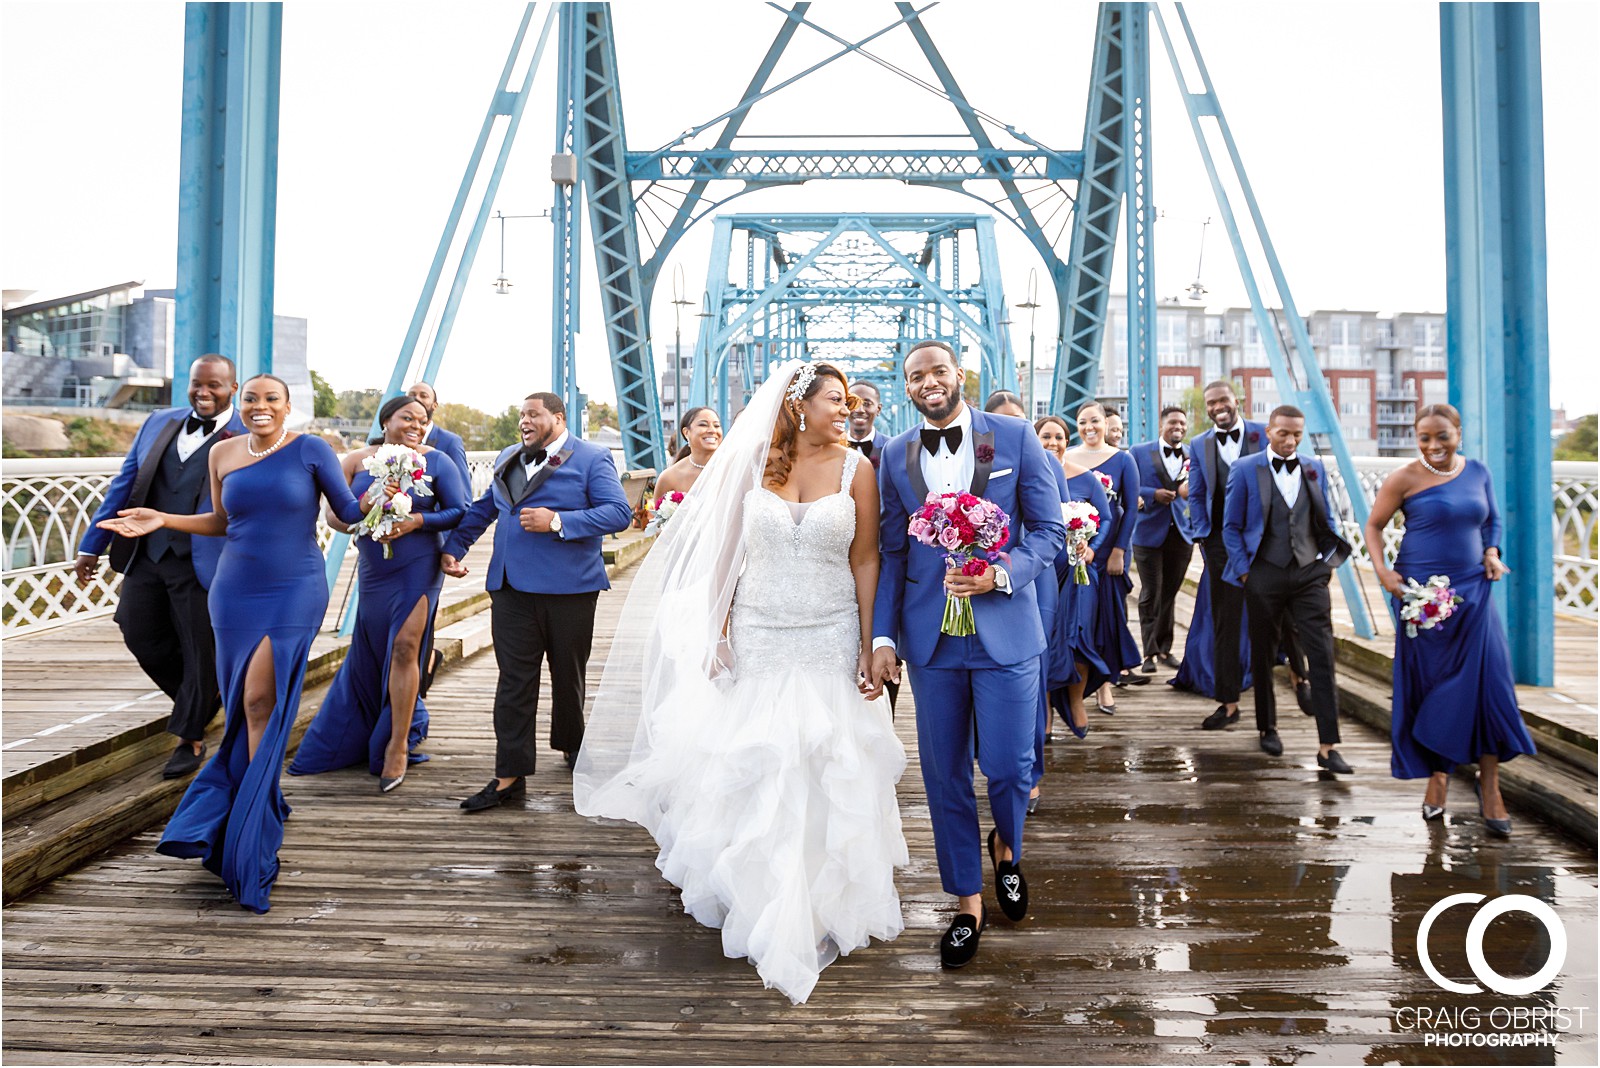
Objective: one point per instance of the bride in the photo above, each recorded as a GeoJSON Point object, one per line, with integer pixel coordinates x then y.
{"type": "Point", "coordinates": [735, 720]}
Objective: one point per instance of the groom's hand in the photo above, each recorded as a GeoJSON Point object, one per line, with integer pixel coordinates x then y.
{"type": "Point", "coordinates": [959, 585]}
{"type": "Point", "coordinates": [885, 666]}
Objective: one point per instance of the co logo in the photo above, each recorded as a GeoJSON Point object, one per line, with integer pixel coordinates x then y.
{"type": "Point", "coordinates": [1475, 931]}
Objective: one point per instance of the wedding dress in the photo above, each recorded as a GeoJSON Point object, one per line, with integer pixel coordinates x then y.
{"type": "Point", "coordinates": [770, 787]}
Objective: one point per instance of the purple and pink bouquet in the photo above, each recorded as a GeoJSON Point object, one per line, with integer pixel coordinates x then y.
{"type": "Point", "coordinates": [404, 467]}
{"type": "Point", "coordinates": [1082, 521]}
{"type": "Point", "coordinates": [969, 532]}
{"type": "Point", "coordinates": [1425, 605]}
{"type": "Point", "coordinates": [665, 506]}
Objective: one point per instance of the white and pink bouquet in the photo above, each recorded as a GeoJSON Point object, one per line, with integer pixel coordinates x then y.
{"type": "Point", "coordinates": [1108, 484]}
{"type": "Point", "coordinates": [404, 467]}
{"type": "Point", "coordinates": [1082, 521]}
{"type": "Point", "coordinates": [1425, 605]}
{"type": "Point", "coordinates": [665, 506]}
{"type": "Point", "coordinates": [969, 532]}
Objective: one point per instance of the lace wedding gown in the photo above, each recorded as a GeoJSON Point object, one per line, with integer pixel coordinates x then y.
{"type": "Point", "coordinates": [773, 799]}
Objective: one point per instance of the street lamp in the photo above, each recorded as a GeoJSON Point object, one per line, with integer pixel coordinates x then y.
{"type": "Point", "coordinates": [502, 284]}
{"type": "Point", "coordinates": [1032, 305]}
{"type": "Point", "coordinates": [679, 302]}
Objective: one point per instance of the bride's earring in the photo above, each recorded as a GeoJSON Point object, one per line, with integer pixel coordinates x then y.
{"type": "Point", "coordinates": [802, 420]}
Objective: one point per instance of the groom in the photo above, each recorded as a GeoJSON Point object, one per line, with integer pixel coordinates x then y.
{"type": "Point", "coordinates": [988, 682]}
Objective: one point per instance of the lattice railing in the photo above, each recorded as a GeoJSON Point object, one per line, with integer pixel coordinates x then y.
{"type": "Point", "coordinates": [47, 508]}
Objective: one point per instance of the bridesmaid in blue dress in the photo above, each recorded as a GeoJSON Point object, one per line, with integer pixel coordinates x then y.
{"type": "Point", "coordinates": [1112, 638]}
{"type": "Point", "coordinates": [1196, 673]}
{"type": "Point", "coordinates": [1073, 664]}
{"type": "Point", "coordinates": [267, 602]}
{"type": "Point", "coordinates": [383, 669]}
{"type": "Point", "coordinates": [1454, 695]}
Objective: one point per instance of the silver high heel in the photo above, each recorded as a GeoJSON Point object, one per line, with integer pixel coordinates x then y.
{"type": "Point", "coordinates": [1432, 813]}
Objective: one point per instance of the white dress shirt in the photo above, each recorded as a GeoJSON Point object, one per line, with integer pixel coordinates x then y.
{"type": "Point", "coordinates": [1288, 482]}
{"type": "Point", "coordinates": [1173, 464]}
{"type": "Point", "coordinates": [947, 472]}
{"type": "Point", "coordinates": [550, 449]}
{"type": "Point", "coordinates": [189, 441]}
{"type": "Point", "coordinates": [1229, 449]}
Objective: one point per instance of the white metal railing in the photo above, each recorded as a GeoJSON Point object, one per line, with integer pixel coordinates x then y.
{"type": "Point", "coordinates": [48, 505]}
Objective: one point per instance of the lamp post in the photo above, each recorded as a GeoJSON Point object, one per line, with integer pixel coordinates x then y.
{"type": "Point", "coordinates": [1032, 305]}
{"type": "Point", "coordinates": [679, 302]}
{"type": "Point", "coordinates": [502, 284]}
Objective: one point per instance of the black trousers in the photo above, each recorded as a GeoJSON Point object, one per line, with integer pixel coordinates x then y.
{"type": "Point", "coordinates": [1278, 597]}
{"type": "Point", "coordinates": [1227, 614]}
{"type": "Point", "coordinates": [528, 629]}
{"type": "Point", "coordinates": [1161, 570]}
{"type": "Point", "coordinates": [166, 625]}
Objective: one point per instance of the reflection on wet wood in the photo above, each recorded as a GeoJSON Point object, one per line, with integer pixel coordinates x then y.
{"type": "Point", "coordinates": [1195, 901]}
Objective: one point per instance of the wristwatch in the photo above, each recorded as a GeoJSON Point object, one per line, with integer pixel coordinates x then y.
{"type": "Point", "coordinates": [555, 523]}
{"type": "Point", "coordinates": [1002, 581]}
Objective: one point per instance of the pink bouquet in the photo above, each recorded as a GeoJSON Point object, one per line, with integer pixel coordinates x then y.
{"type": "Point", "coordinates": [1425, 605]}
{"type": "Point", "coordinates": [1108, 484]}
{"type": "Point", "coordinates": [1082, 521]}
{"type": "Point", "coordinates": [666, 505]}
{"type": "Point", "coordinates": [969, 532]}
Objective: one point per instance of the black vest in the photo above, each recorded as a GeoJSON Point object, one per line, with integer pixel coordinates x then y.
{"type": "Point", "coordinates": [177, 487]}
{"type": "Point", "coordinates": [1219, 492]}
{"type": "Point", "coordinates": [1289, 537]}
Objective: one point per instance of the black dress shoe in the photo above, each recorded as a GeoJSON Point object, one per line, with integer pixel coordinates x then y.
{"type": "Point", "coordinates": [1166, 660]}
{"type": "Point", "coordinates": [1009, 883]}
{"type": "Point", "coordinates": [960, 942]}
{"type": "Point", "coordinates": [491, 795]}
{"type": "Point", "coordinates": [1220, 718]}
{"type": "Point", "coordinates": [1302, 694]}
{"type": "Point", "coordinates": [572, 757]}
{"type": "Point", "coordinates": [1130, 679]}
{"type": "Point", "coordinates": [1335, 763]}
{"type": "Point", "coordinates": [1149, 665]}
{"type": "Point", "coordinates": [184, 761]}
{"type": "Point", "coordinates": [1271, 744]}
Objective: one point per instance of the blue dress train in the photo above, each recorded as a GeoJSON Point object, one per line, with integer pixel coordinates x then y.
{"type": "Point", "coordinates": [1454, 697]}
{"type": "Point", "coordinates": [1196, 673]}
{"type": "Point", "coordinates": [1112, 639]}
{"type": "Point", "coordinates": [354, 723]}
{"type": "Point", "coordinates": [1073, 624]}
{"type": "Point", "coordinates": [270, 585]}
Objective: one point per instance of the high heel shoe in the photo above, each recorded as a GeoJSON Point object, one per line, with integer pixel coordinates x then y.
{"type": "Point", "coordinates": [386, 785]}
{"type": "Point", "coordinates": [1033, 804]}
{"type": "Point", "coordinates": [1077, 731]}
{"type": "Point", "coordinates": [1500, 828]}
{"type": "Point", "coordinates": [1431, 813]}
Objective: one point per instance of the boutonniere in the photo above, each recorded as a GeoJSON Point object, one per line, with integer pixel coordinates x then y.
{"type": "Point", "coordinates": [554, 461]}
{"type": "Point", "coordinates": [1311, 472]}
{"type": "Point", "coordinates": [1255, 436]}
{"type": "Point", "coordinates": [985, 453]}
{"type": "Point", "coordinates": [224, 434]}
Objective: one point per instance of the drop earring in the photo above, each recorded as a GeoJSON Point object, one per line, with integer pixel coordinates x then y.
{"type": "Point", "coordinates": [802, 420]}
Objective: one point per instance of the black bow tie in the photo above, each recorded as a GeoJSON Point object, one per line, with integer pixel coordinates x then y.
{"type": "Point", "coordinates": [194, 422]}
{"type": "Point", "coordinates": [1228, 435]}
{"type": "Point", "coordinates": [950, 434]}
{"type": "Point", "coordinates": [1280, 463]}
{"type": "Point", "coordinates": [1172, 450]}
{"type": "Point", "coordinates": [532, 455]}
{"type": "Point", "coordinates": [865, 445]}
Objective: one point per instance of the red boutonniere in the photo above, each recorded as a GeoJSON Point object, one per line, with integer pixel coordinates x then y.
{"type": "Point", "coordinates": [1255, 436]}
{"type": "Point", "coordinates": [985, 453]}
{"type": "Point", "coordinates": [554, 461]}
{"type": "Point", "coordinates": [224, 434]}
{"type": "Point", "coordinates": [1311, 473]}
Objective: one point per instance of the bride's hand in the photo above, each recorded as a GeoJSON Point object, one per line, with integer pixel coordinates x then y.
{"type": "Point", "coordinates": [133, 522]}
{"type": "Point", "coordinates": [870, 686]}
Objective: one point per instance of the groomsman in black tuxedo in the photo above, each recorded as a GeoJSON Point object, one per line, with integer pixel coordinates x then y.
{"type": "Point", "coordinates": [862, 434]}
{"type": "Point", "coordinates": [1283, 546]}
{"type": "Point", "coordinates": [162, 607]}
{"type": "Point", "coordinates": [1161, 549]}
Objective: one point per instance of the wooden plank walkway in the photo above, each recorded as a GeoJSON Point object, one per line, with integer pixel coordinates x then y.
{"type": "Point", "coordinates": [1194, 902]}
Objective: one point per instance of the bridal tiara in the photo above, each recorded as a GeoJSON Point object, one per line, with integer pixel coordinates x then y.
{"type": "Point", "coordinates": [802, 382]}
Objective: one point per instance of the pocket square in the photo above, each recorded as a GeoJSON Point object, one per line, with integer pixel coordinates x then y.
{"type": "Point", "coordinates": [1002, 472]}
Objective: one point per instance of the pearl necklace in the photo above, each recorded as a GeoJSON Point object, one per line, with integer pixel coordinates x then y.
{"type": "Point", "coordinates": [1434, 470]}
{"type": "Point", "coordinates": [271, 449]}
{"type": "Point", "coordinates": [698, 467]}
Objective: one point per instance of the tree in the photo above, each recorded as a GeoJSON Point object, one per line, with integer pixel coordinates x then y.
{"type": "Point", "coordinates": [475, 427]}
{"type": "Point", "coordinates": [602, 414]}
{"type": "Point", "coordinates": [326, 405]}
{"type": "Point", "coordinates": [1579, 443]}
{"type": "Point", "coordinates": [505, 428]}
{"type": "Point", "coordinates": [359, 405]}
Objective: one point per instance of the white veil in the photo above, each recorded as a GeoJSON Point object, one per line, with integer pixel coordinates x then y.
{"type": "Point", "coordinates": [670, 650]}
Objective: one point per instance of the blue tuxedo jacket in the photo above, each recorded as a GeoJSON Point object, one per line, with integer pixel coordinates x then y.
{"type": "Point", "coordinates": [451, 445]}
{"type": "Point", "coordinates": [580, 484]}
{"type": "Point", "coordinates": [1245, 521]}
{"type": "Point", "coordinates": [1203, 477]}
{"type": "Point", "coordinates": [1156, 519]}
{"type": "Point", "coordinates": [128, 489]}
{"type": "Point", "coordinates": [1017, 477]}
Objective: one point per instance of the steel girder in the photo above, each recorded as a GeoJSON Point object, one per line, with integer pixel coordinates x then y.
{"type": "Point", "coordinates": [850, 290]}
{"type": "Point", "coordinates": [227, 186]}
{"type": "Point", "coordinates": [1497, 328]}
{"type": "Point", "coordinates": [919, 165]}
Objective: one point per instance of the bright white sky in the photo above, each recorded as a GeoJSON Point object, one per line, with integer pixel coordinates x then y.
{"type": "Point", "coordinates": [1335, 106]}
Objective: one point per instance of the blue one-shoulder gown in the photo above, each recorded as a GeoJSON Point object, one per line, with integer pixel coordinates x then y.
{"type": "Point", "coordinates": [1072, 635]}
{"type": "Point", "coordinates": [270, 584]}
{"type": "Point", "coordinates": [1454, 698]}
{"type": "Point", "coordinates": [1112, 639]}
{"type": "Point", "coordinates": [355, 720]}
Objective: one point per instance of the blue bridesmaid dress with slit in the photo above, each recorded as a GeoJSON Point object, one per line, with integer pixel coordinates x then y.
{"type": "Point", "coordinates": [1454, 693]}
{"type": "Point", "coordinates": [354, 723]}
{"type": "Point", "coordinates": [1072, 635]}
{"type": "Point", "coordinates": [1112, 639]}
{"type": "Point", "coordinates": [269, 587]}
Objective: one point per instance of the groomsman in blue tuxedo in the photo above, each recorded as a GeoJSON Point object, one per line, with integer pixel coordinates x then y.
{"type": "Point", "coordinates": [162, 607]}
{"type": "Point", "coordinates": [446, 441]}
{"type": "Point", "coordinates": [1212, 455]}
{"type": "Point", "coordinates": [553, 500]}
{"type": "Point", "coordinates": [1161, 548]}
{"type": "Point", "coordinates": [1283, 546]}
{"type": "Point", "coordinates": [987, 682]}
{"type": "Point", "coordinates": [863, 434]}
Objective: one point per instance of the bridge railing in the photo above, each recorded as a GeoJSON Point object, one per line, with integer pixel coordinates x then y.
{"type": "Point", "coordinates": [47, 505]}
